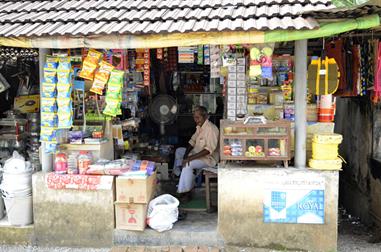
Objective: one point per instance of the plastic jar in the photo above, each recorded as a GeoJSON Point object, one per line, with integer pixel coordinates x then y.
{"type": "Point", "coordinates": [72, 166]}
{"type": "Point", "coordinates": [60, 163]}
{"type": "Point", "coordinates": [84, 161]}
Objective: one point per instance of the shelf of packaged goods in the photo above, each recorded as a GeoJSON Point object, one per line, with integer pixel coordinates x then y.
{"type": "Point", "coordinates": [276, 158]}
{"type": "Point", "coordinates": [105, 150]}
{"type": "Point", "coordinates": [202, 93]}
{"type": "Point", "coordinates": [14, 136]}
{"type": "Point", "coordinates": [256, 137]}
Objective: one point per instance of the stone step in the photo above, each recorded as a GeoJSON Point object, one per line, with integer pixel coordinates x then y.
{"type": "Point", "coordinates": [165, 249]}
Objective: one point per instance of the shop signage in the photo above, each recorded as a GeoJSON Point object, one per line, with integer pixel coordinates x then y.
{"type": "Point", "coordinates": [294, 200]}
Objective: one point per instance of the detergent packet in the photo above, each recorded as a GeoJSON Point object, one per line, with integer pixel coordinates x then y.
{"type": "Point", "coordinates": [48, 90]}
{"type": "Point", "coordinates": [64, 77]}
{"type": "Point", "coordinates": [51, 63]}
{"type": "Point", "coordinates": [48, 105]}
{"type": "Point", "coordinates": [48, 134]}
{"type": "Point", "coordinates": [65, 119]}
{"type": "Point", "coordinates": [48, 119]}
{"type": "Point", "coordinates": [64, 90]}
{"type": "Point", "coordinates": [101, 77]}
{"type": "Point", "coordinates": [64, 105]}
{"type": "Point", "coordinates": [90, 64]}
{"type": "Point", "coordinates": [64, 64]}
{"type": "Point", "coordinates": [50, 76]}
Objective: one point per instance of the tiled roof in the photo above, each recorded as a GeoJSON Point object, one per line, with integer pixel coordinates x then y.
{"type": "Point", "coordinates": [93, 17]}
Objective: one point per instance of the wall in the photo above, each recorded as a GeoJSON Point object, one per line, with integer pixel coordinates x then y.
{"type": "Point", "coordinates": [240, 203]}
{"type": "Point", "coordinates": [359, 123]}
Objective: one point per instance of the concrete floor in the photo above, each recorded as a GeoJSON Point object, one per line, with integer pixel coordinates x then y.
{"type": "Point", "coordinates": [353, 237]}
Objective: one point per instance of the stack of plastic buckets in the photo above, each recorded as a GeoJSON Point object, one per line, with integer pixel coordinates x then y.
{"type": "Point", "coordinates": [16, 188]}
{"type": "Point", "coordinates": [1, 200]}
{"type": "Point", "coordinates": [325, 152]}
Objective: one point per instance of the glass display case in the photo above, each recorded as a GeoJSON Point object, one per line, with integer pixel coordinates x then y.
{"type": "Point", "coordinates": [269, 141]}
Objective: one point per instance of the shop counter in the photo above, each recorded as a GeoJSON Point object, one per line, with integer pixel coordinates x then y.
{"type": "Point", "coordinates": [274, 208]}
{"type": "Point", "coordinates": [73, 210]}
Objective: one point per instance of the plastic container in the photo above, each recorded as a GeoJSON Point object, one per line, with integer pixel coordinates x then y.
{"type": "Point", "coordinates": [84, 161]}
{"type": "Point", "coordinates": [60, 163]}
{"type": "Point", "coordinates": [72, 164]}
{"type": "Point", "coordinates": [19, 210]}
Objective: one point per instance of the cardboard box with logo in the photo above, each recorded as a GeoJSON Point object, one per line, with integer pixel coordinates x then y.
{"type": "Point", "coordinates": [132, 198]}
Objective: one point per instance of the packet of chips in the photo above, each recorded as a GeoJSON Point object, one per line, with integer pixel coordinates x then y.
{"type": "Point", "coordinates": [112, 107]}
{"type": "Point", "coordinates": [48, 119]}
{"type": "Point", "coordinates": [48, 105]}
{"type": "Point", "coordinates": [50, 147]}
{"type": "Point", "coordinates": [90, 64]}
{"type": "Point", "coordinates": [48, 90]}
{"type": "Point", "coordinates": [101, 77]}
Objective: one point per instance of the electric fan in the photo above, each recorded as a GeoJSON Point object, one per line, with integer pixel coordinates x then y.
{"type": "Point", "coordinates": [163, 111]}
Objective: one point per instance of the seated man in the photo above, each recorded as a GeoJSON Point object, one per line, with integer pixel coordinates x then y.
{"type": "Point", "coordinates": [202, 151]}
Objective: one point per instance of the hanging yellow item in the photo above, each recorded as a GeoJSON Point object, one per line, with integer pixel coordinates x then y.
{"type": "Point", "coordinates": [323, 76]}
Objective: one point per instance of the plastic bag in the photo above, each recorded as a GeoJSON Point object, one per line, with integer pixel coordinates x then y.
{"type": "Point", "coordinates": [162, 212]}
{"type": "Point", "coordinates": [16, 164]}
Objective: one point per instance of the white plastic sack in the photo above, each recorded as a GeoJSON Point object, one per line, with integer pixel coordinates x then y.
{"type": "Point", "coordinates": [163, 212]}
{"type": "Point", "coordinates": [16, 164]}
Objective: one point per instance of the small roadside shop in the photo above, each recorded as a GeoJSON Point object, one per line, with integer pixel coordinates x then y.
{"type": "Point", "coordinates": [123, 111]}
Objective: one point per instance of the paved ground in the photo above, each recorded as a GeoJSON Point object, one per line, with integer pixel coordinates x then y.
{"type": "Point", "coordinates": [353, 237]}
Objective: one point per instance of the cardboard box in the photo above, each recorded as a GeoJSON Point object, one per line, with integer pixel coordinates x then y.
{"type": "Point", "coordinates": [241, 91]}
{"type": "Point", "coordinates": [232, 83]}
{"type": "Point", "coordinates": [241, 62]}
{"type": "Point", "coordinates": [232, 105]}
{"type": "Point", "coordinates": [135, 190]}
{"type": "Point", "coordinates": [232, 91]}
{"type": "Point", "coordinates": [130, 216]}
{"type": "Point", "coordinates": [241, 84]}
{"type": "Point", "coordinates": [241, 69]}
{"type": "Point", "coordinates": [232, 76]}
{"type": "Point", "coordinates": [241, 76]}
{"type": "Point", "coordinates": [232, 98]}
{"type": "Point", "coordinates": [241, 99]}
{"type": "Point", "coordinates": [232, 69]}
{"type": "Point", "coordinates": [231, 113]}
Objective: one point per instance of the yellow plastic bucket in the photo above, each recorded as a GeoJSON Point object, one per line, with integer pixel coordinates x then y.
{"type": "Point", "coordinates": [322, 151]}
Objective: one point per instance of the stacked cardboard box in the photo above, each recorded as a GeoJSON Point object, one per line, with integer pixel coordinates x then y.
{"type": "Point", "coordinates": [132, 198]}
{"type": "Point", "coordinates": [237, 96]}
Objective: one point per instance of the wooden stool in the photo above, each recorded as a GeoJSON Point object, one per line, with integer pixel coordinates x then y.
{"type": "Point", "coordinates": [209, 173]}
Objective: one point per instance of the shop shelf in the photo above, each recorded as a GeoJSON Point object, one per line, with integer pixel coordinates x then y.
{"type": "Point", "coordinates": [269, 141]}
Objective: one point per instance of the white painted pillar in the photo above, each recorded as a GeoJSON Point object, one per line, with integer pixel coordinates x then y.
{"type": "Point", "coordinates": [300, 97]}
{"type": "Point", "coordinates": [46, 159]}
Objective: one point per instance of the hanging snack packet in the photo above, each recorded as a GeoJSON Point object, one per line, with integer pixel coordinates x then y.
{"type": "Point", "coordinates": [48, 134]}
{"type": "Point", "coordinates": [101, 77]}
{"type": "Point", "coordinates": [48, 105]}
{"type": "Point", "coordinates": [64, 90]}
{"type": "Point", "coordinates": [112, 107]}
{"type": "Point", "coordinates": [51, 63]}
{"type": "Point", "coordinates": [48, 90]}
{"type": "Point", "coordinates": [48, 119]}
{"type": "Point", "coordinates": [90, 64]}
